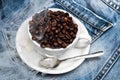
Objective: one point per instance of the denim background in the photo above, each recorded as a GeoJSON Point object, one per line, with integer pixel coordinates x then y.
{"type": "Point", "coordinates": [100, 17]}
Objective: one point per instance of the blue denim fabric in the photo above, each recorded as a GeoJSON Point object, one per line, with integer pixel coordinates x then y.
{"type": "Point", "coordinates": [100, 17]}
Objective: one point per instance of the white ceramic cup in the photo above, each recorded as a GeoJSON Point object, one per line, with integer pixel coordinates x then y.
{"type": "Point", "coordinates": [81, 40]}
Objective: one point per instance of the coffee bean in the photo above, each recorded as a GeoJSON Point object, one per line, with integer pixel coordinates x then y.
{"type": "Point", "coordinates": [54, 23]}
{"type": "Point", "coordinates": [57, 29]}
{"type": "Point", "coordinates": [58, 25]}
{"type": "Point", "coordinates": [36, 32]}
{"type": "Point", "coordinates": [64, 44]}
{"type": "Point", "coordinates": [55, 44]}
{"type": "Point", "coordinates": [34, 38]}
{"type": "Point", "coordinates": [46, 35]}
{"type": "Point", "coordinates": [61, 35]}
{"type": "Point", "coordinates": [67, 27]}
{"type": "Point", "coordinates": [42, 45]}
{"type": "Point", "coordinates": [48, 30]}
{"type": "Point", "coordinates": [71, 33]}
{"type": "Point", "coordinates": [59, 41]}
{"type": "Point", "coordinates": [53, 28]}
{"type": "Point", "coordinates": [31, 23]}
{"type": "Point", "coordinates": [56, 36]}
{"type": "Point", "coordinates": [66, 14]}
{"type": "Point", "coordinates": [47, 45]}
{"type": "Point", "coordinates": [64, 24]}
{"type": "Point", "coordinates": [63, 31]}
{"type": "Point", "coordinates": [71, 40]}
{"type": "Point", "coordinates": [65, 19]}
{"type": "Point", "coordinates": [75, 31]}
{"type": "Point", "coordinates": [68, 36]}
{"type": "Point", "coordinates": [50, 38]}
{"type": "Point", "coordinates": [61, 27]}
{"type": "Point", "coordinates": [44, 41]}
{"type": "Point", "coordinates": [75, 25]}
{"type": "Point", "coordinates": [71, 29]}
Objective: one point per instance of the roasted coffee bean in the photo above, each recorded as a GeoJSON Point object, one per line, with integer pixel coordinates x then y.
{"type": "Point", "coordinates": [64, 45]}
{"type": "Point", "coordinates": [58, 25]}
{"type": "Point", "coordinates": [73, 36]}
{"type": "Point", "coordinates": [31, 31]}
{"type": "Point", "coordinates": [65, 19]}
{"type": "Point", "coordinates": [47, 45]}
{"type": "Point", "coordinates": [66, 14]}
{"type": "Point", "coordinates": [36, 32]}
{"type": "Point", "coordinates": [71, 40]}
{"type": "Point", "coordinates": [48, 29]}
{"type": "Point", "coordinates": [59, 41]}
{"type": "Point", "coordinates": [44, 41]}
{"type": "Point", "coordinates": [61, 27]}
{"type": "Point", "coordinates": [55, 44]}
{"type": "Point", "coordinates": [71, 33]}
{"type": "Point", "coordinates": [34, 38]}
{"type": "Point", "coordinates": [50, 37]}
{"type": "Point", "coordinates": [68, 36]}
{"type": "Point", "coordinates": [75, 25]}
{"type": "Point", "coordinates": [51, 33]}
{"type": "Point", "coordinates": [67, 27]}
{"type": "Point", "coordinates": [64, 24]}
{"type": "Point", "coordinates": [53, 28]}
{"type": "Point", "coordinates": [57, 29]}
{"type": "Point", "coordinates": [56, 36]}
{"type": "Point", "coordinates": [42, 45]}
{"type": "Point", "coordinates": [61, 35]}
{"type": "Point", "coordinates": [75, 31]}
{"type": "Point", "coordinates": [54, 23]}
{"type": "Point", "coordinates": [63, 31]}
{"type": "Point", "coordinates": [46, 35]}
{"type": "Point", "coordinates": [72, 29]}
{"type": "Point", "coordinates": [31, 23]}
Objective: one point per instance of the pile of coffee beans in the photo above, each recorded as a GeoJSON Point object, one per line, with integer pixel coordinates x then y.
{"type": "Point", "coordinates": [53, 29]}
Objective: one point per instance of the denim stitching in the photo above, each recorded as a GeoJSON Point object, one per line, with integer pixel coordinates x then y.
{"type": "Point", "coordinates": [6, 39]}
{"type": "Point", "coordinates": [8, 46]}
{"type": "Point", "coordinates": [108, 65]}
{"type": "Point", "coordinates": [99, 33]}
{"type": "Point", "coordinates": [113, 5]}
{"type": "Point", "coordinates": [25, 9]}
{"type": "Point", "coordinates": [8, 43]}
{"type": "Point", "coordinates": [15, 59]}
{"type": "Point", "coordinates": [14, 26]}
{"type": "Point", "coordinates": [77, 14]}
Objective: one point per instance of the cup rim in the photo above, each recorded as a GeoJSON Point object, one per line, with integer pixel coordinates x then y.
{"type": "Point", "coordinates": [57, 49]}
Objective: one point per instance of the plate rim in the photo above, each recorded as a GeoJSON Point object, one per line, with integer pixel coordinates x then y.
{"type": "Point", "coordinates": [48, 71]}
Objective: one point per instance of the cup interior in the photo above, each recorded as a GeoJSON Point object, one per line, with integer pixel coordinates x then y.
{"type": "Point", "coordinates": [59, 49]}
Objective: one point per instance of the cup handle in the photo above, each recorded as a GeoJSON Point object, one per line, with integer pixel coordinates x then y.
{"type": "Point", "coordinates": [83, 41]}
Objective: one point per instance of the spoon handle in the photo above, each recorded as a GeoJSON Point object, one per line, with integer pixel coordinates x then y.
{"type": "Point", "coordinates": [95, 54]}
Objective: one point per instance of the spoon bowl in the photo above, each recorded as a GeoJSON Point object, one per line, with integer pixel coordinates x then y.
{"type": "Point", "coordinates": [52, 62]}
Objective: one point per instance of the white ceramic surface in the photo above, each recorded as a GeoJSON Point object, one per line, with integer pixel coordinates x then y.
{"type": "Point", "coordinates": [31, 54]}
{"type": "Point", "coordinates": [77, 43]}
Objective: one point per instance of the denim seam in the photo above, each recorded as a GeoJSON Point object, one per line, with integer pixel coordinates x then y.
{"type": "Point", "coordinates": [23, 9]}
{"type": "Point", "coordinates": [8, 46]}
{"type": "Point", "coordinates": [5, 38]}
{"type": "Point", "coordinates": [16, 58]}
{"type": "Point", "coordinates": [78, 15]}
{"type": "Point", "coordinates": [108, 65]}
{"type": "Point", "coordinates": [98, 34]}
{"type": "Point", "coordinates": [8, 43]}
{"type": "Point", "coordinates": [110, 6]}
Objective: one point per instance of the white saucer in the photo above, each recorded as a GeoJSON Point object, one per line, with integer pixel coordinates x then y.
{"type": "Point", "coordinates": [30, 53]}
